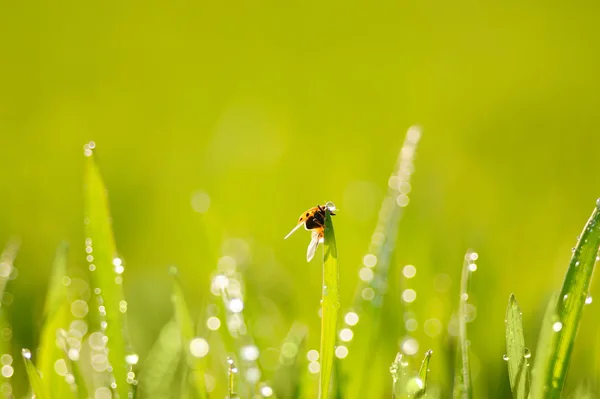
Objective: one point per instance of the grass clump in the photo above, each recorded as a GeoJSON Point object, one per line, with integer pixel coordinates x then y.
{"type": "Point", "coordinates": [230, 361]}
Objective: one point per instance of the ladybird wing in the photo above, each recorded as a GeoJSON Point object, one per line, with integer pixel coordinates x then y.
{"type": "Point", "coordinates": [294, 229]}
{"type": "Point", "coordinates": [312, 247]}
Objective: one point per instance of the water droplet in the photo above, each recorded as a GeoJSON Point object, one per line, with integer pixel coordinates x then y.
{"type": "Point", "coordinates": [26, 353]}
{"type": "Point", "coordinates": [411, 325]}
{"type": "Point", "coordinates": [598, 203]}
{"type": "Point", "coordinates": [102, 393]}
{"type": "Point", "coordinates": [236, 305]}
{"type": "Point", "coordinates": [96, 341]}
{"type": "Point", "coordinates": [200, 201]}
{"type": "Point", "coordinates": [346, 334]}
{"type": "Point", "coordinates": [402, 200]}
{"type": "Point", "coordinates": [368, 294]}
{"type": "Point", "coordinates": [132, 358]}
{"type": "Point", "coordinates": [464, 296]}
{"type": "Point", "coordinates": [266, 391]}
{"type": "Point", "coordinates": [7, 371]}
{"type": "Point", "coordinates": [213, 323]}
{"type": "Point", "coordinates": [409, 295]}
{"type": "Point", "coordinates": [73, 354]}
{"type": "Point", "coordinates": [351, 318]}
{"type": "Point", "coordinates": [370, 260]}
{"type": "Point", "coordinates": [410, 346]}
{"type": "Point", "coordinates": [249, 352]}
{"type": "Point", "coordinates": [588, 300]}
{"type": "Point", "coordinates": [199, 347]}
{"type": "Point", "coordinates": [341, 352]}
{"type": "Point", "coordinates": [409, 271]}
{"type": "Point", "coordinates": [252, 375]}
{"type": "Point", "coordinates": [526, 353]}
{"type": "Point", "coordinates": [331, 206]}
{"type": "Point", "coordinates": [314, 367]}
{"type": "Point", "coordinates": [557, 326]}
{"type": "Point", "coordinates": [365, 274]}
{"type": "Point", "coordinates": [312, 355]}
{"type": "Point", "coordinates": [79, 308]}
{"type": "Point", "coordinates": [472, 267]}
{"type": "Point", "coordinates": [60, 367]}
{"type": "Point", "coordinates": [88, 148]}
{"type": "Point", "coordinates": [6, 360]}
{"type": "Point", "coordinates": [505, 357]}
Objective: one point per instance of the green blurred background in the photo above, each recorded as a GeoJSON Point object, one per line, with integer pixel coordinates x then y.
{"type": "Point", "coordinates": [271, 108]}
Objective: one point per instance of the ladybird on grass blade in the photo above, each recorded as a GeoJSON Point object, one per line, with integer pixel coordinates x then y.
{"type": "Point", "coordinates": [314, 220]}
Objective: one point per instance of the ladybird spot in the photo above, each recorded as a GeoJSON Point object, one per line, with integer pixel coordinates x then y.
{"type": "Point", "coordinates": [307, 214]}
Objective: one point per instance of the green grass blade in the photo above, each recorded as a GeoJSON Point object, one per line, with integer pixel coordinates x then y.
{"type": "Point", "coordinates": [56, 316]}
{"type": "Point", "coordinates": [103, 255]}
{"type": "Point", "coordinates": [57, 293]}
{"type": "Point", "coordinates": [357, 369]}
{"type": "Point", "coordinates": [462, 381]}
{"type": "Point", "coordinates": [399, 373]}
{"type": "Point", "coordinates": [517, 354]}
{"type": "Point", "coordinates": [330, 304]}
{"type": "Point", "coordinates": [161, 363]}
{"type": "Point", "coordinates": [39, 388]}
{"type": "Point", "coordinates": [186, 327]}
{"type": "Point", "coordinates": [570, 303]}
{"type": "Point", "coordinates": [545, 351]}
{"type": "Point", "coordinates": [423, 374]}
{"type": "Point", "coordinates": [231, 372]}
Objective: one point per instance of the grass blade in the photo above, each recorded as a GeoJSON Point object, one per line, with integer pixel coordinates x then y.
{"type": "Point", "coordinates": [369, 296]}
{"type": "Point", "coordinates": [195, 361]}
{"type": "Point", "coordinates": [516, 353]}
{"type": "Point", "coordinates": [570, 303]}
{"type": "Point", "coordinates": [423, 374]}
{"type": "Point", "coordinates": [161, 364]}
{"type": "Point", "coordinates": [330, 305]}
{"type": "Point", "coordinates": [462, 380]}
{"type": "Point", "coordinates": [231, 372]}
{"type": "Point", "coordinates": [545, 351]}
{"type": "Point", "coordinates": [39, 388]}
{"type": "Point", "coordinates": [399, 373]}
{"type": "Point", "coordinates": [106, 270]}
{"type": "Point", "coordinates": [56, 316]}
